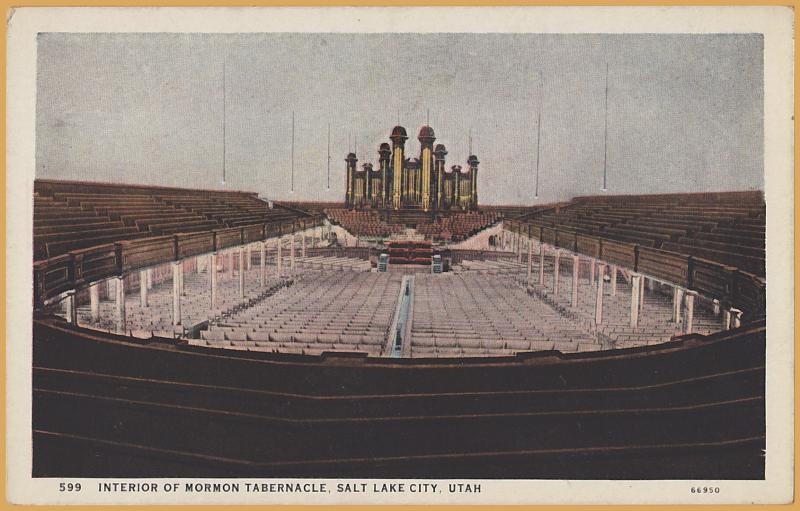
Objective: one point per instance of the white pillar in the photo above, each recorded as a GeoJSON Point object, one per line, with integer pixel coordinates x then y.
{"type": "Point", "coordinates": [262, 263]}
{"type": "Point", "coordinates": [598, 306]}
{"type": "Point", "coordinates": [726, 320]}
{"type": "Point", "coordinates": [119, 286]}
{"type": "Point", "coordinates": [736, 317]}
{"type": "Point", "coordinates": [71, 308]}
{"type": "Point", "coordinates": [641, 292]}
{"type": "Point", "coordinates": [690, 311]}
{"type": "Point", "coordinates": [278, 257]}
{"type": "Point", "coordinates": [576, 269]}
{"type": "Point", "coordinates": [303, 245]}
{"type": "Point", "coordinates": [177, 269]}
{"type": "Point", "coordinates": [110, 289]}
{"type": "Point", "coordinates": [212, 269]}
{"type": "Point", "coordinates": [94, 302]}
{"type": "Point", "coordinates": [241, 273]}
{"type": "Point", "coordinates": [715, 303]}
{"type": "Point", "coordinates": [249, 256]}
{"type": "Point", "coordinates": [613, 280]}
{"type": "Point", "coordinates": [530, 261]}
{"type": "Point", "coordinates": [143, 302]}
{"type": "Point", "coordinates": [635, 290]}
{"type": "Point", "coordinates": [677, 303]}
{"type": "Point", "coordinates": [592, 265]}
{"type": "Point", "coordinates": [519, 248]}
{"type": "Point", "coordinates": [556, 268]}
{"type": "Point", "coordinates": [541, 263]}
{"type": "Point", "coordinates": [291, 251]}
{"type": "Point", "coordinates": [180, 280]}
{"type": "Point", "coordinates": [149, 278]}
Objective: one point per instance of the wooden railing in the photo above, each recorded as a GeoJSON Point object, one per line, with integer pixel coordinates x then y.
{"type": "Point", "coordinates": [79, 268]}
{"type": "Point", "coordinates": [731, 286]}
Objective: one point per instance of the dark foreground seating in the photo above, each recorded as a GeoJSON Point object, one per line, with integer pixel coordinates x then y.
{"type": "Point", "coordinates": [106, 406]}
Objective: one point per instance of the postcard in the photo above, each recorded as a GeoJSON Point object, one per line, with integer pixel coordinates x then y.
{"type": "Point", "coordinates": [400, 255]}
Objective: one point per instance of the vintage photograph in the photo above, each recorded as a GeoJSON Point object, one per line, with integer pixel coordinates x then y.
{"type": "Point", "coordinates": [381, 256]}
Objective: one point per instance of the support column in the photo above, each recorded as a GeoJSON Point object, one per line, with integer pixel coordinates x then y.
{"type": "Point", "coordinates": [598, 305]}
{"type": "Point", "coordinates": [519, 248]}
{"type": "Point", "coordinates": [177, 269]}
{"type": "Point", "coordinates": [677, 304]}
{"type": "Point", "coordinates": [143, 302]}
{"type": "Point", "coordinates": [726, 319]}
{"type": "Point", "coordinates": [636, 287]}
{"type": "Point", "coordinates": [149, 278]}
{"type": "Point", "coordinates": [262, 263]}
{"type": "Point", "coordinates": [94, 302]}
{"type": "Point", "coordinates": [641, 292]}
{"type": "Point", "coordinates": [613, 280]}
{"type": "Point", "coordinates": [556, 258]}
{"type": "Point", "coordinates": [576, 269]}
{"type": "Point", "coordinates": [241, 273]}
{"type": "Point", "coordinates": [592, 265]}
{"type": "Point", "coordinates": [278, 258]}
{"type": "Point", "coordinates": [119, 323]}
{"type": "Point", "coordinates": [71, 308]}
{"type": "Point", "coordinates": [690, 311]}
{"type": "Point", "coordinates": [736, 318]}
{"type": "Point", "coordinates": [303, 245]}
{"type": "Point", "coordinates": [291, 251]}
{"type": "Point", "coordinates": [249, 256]}
{"type": "Point", "coordinates": [212, 270]}
{"type": "Point", "coordinates": [530, 261]}
{"type": "Point", "coordinates": [541, 264]}
{"type": "Point", "coordinates": [180, 280]}
{"type": "Point", "coordinates": [230, 264]}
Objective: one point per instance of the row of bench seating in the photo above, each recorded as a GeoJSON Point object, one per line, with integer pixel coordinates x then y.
{"type": "Point", "coordinates": [459, 226]}
{"type": "Point", "coordinates": [66, 221]}
{"type": "Point", "coordinates": [726, 228]}
{"type": "Point", "coordinates": [363, 222]}
{"type": "Point", "coordinates": [323, 311]}
{"type": "Point", "coordinates": [474, 314]}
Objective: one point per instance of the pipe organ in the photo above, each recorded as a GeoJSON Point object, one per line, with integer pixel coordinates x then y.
{"type": "Point", "coordinates": [419, 183]}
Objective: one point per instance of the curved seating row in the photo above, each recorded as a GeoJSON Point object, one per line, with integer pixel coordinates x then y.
{"type": "Point", "coordinates": [74, 215]}
{"type": "Point", "coordinates": [725, 227]}
{"type": "Point", "coordinates": [692, 407]}
{"type": "Point", "coordinates": [363, 222]}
